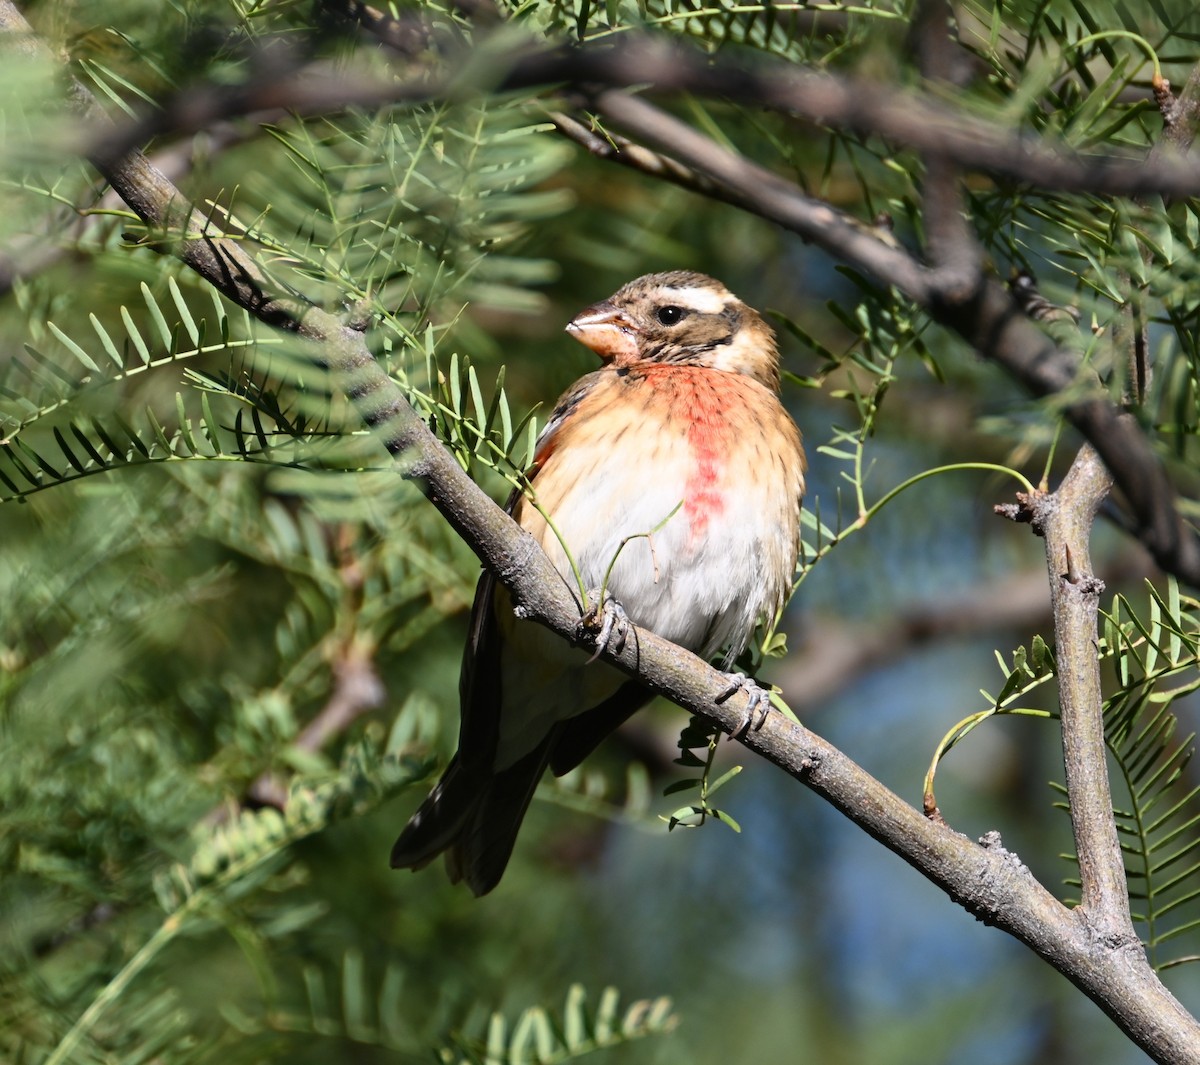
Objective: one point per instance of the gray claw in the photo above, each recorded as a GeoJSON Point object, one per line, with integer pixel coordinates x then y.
{"type": "Point", "coordinates": [758, 702]}
{"type": "Point", "coordinates": [614, 624]}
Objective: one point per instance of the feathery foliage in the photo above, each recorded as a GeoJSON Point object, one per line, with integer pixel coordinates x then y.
{"type": "Point", "coordinates": [1154, 652]}
{"type": "Point", "coordinates": [536, 1038]}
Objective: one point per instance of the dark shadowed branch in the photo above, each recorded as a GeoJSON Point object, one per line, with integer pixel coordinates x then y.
{"type": "Point", "coordinates": [952, 287]}
{"type": "Point", "coordinates": [832, 653]}
{"type": "Point", "coordinates": [924, 121]}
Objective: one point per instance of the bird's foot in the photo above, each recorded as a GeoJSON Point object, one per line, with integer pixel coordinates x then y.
{"type": "Point", "coordinates": [758, 702]}
{"type": "Point", "coordinates": [607, 621]}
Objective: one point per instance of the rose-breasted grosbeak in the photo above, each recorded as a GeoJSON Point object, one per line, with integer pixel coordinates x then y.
{"type": "Point", "coordinates": [680, 442]}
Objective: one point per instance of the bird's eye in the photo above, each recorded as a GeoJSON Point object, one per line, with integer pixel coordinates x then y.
{"type": "Point", "coordinates": [669, 315]}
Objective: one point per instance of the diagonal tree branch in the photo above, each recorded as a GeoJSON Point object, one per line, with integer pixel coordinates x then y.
{"type": "Point", "coordinates": [924, 121]}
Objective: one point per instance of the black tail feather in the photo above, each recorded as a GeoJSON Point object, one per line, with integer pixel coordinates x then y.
{"type": "Point", "coordinates": [438, 820]}
{"type": "Point", "coordinates": [473, 816]}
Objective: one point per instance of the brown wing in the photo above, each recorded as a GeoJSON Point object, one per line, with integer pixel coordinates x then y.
{"type": "Point", "coordinates": [475, 812]}
{"type": "Point", "coordinates": [479, 681]}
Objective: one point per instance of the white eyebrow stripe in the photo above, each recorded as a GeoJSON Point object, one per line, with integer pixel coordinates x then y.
{"type": "Point", "coordinates": [704, 300]}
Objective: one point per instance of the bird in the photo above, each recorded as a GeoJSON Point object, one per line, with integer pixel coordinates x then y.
{"type": "Point", "coordinates": [672, 478]}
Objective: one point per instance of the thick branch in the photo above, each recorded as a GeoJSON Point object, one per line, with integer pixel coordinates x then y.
{"type": "Point", "coordinates": [922, 121]}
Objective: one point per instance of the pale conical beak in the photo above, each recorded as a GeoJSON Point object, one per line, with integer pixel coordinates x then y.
{"type": "Point", "coordinates": [607, 330]}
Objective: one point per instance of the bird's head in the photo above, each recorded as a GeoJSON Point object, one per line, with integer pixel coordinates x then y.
{"type": "Point", "coordinates": [680, 318]}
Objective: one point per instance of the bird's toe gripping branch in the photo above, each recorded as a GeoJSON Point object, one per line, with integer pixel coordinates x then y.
{"type": "Point", "coordinates": [607, 621]}
{"type": "Point", "coordinates": [758, 702]}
